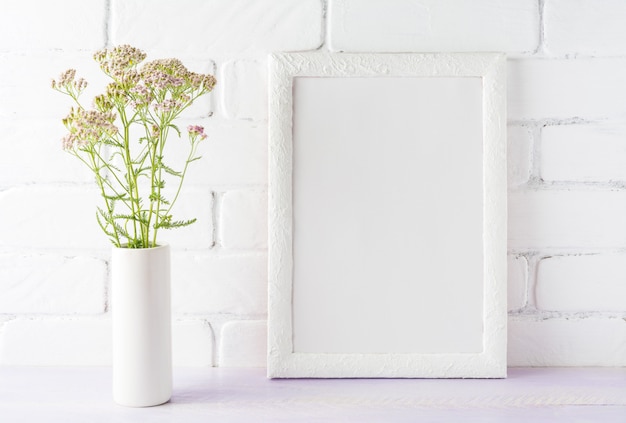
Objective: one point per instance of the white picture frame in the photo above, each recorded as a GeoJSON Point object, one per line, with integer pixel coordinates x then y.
{"type": "Point", "coordinates": [375, 160]}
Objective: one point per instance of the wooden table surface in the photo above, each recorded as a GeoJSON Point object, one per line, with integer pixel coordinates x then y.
{"type": "Point", "coordinates": [82, 394]}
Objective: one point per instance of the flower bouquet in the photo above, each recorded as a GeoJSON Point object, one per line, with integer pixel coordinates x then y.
{"type": "Point", "coordinates": [123, 137]}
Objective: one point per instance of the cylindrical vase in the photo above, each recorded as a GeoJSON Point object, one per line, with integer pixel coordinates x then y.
{"type": "Point", "coordinates": [141, 308]}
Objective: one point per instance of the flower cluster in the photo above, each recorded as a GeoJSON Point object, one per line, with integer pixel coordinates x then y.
{"type": "Point", "coordinates": [87, 127]}
{"type": "Point", "coordinates": [164, 73]}
{"type": "Point", "coordinates": [141, 96]}
{"type": "Point", "coordinates": [146, 96]}
{"type": "Point", "coordinates": [171, 73]}
{"type": "Point", "coordinates": [67, 81]}
{"type": "Point", "coordinates": [120, 61]}
{"type": "Point", "coordinates": [196, 131]}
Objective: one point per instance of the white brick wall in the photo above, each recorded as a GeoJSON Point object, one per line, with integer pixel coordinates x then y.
{"type": "Point", "coordinates": [221, 28]}
{"type": "Point", "coordinates": [245, 81]}
{"type": "Point", "coordinates": [585, 27]}
{"type": "Point", "coordinates": [240, 214]}
{"type": "Point", "coordinates": [432, 25]}
{"type": "Point", "coordinates": [87, 342]}
{"type": "Point", "coordinates": [519, 155]}
{"type": "Point", "coordinates": [567, 342]}
{"type": "Point", "coordinates": [517, 282]}
{"type": "Point", "coordinates": [243, 344]}
{"type": "Point", "coordinates": [214, 284]}
{"type": "Point", "coordinates": [234, 154]}
{"type": "Point", "coordinates": [52, 284]}
{"type": "Point", "coordinates": [567, 218]}
{"type": "Point", "coordinates": [566, 159]}
{"type": "Point", "coordinates": [548, 88]}
{"type": "Point", "coordinates": [40, 25]}
{"type": "Point", "coordinates": [585, 153]}
{"type": "Point", "coordinates": [22, 164]}
{"type": "Point", "coordinates": [25, 82]}
{"type": "Point", "coordinates": [582, 283]}
{"type": "Point", "coordinates": [56, 341]}
{"type": "Point", "coordinates": [50, 216]}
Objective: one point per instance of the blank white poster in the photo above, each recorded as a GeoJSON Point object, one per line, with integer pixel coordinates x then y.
{"type": "Point", "coordinates": [387, 206]}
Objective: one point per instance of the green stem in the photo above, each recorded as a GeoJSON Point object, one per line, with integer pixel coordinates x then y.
{"type": "Point", "coordinates": [192, 153]}
{"type": "Point", "coordinates": [159, 170]}
{"type": "Point", "coordinates": [99, 179]}
{"type": "Point", "coordinates": [133, 189]}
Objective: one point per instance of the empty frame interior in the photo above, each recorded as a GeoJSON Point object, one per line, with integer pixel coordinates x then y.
{"type": "Point", "coordinates": [385, 227]}
{"type": "Point", "coordinates": [387, 216]}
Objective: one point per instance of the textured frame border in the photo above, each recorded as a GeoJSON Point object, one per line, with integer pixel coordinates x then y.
{"type": "Point", "coordinates": [283, 362]}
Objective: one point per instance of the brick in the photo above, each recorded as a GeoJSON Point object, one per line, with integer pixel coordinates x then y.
{"type": "Point", "coordinates": [236, 154]}
{"type": "Point", "coordinates": [564, 89]}
{"type": "Point", "coordinates": [431, 25]}
{"type": "Point", "coordinates": [243, 344]}
{"type": "Point", "coordinates": [33, 24]}
{"type": "Point", "coordinates": [585, 27]}
{"type": "Point", "coordinates": [204, 283]}
{"type": "Point", "coordinates": [193, 202]}
{"type": "Point", "coordinates": [519, 155]}
{"type": "Point", "coordinates": [31, 152]}
{"type": "Point", "coordinates": [563, 218]}
{"type": "Point", "coordinates": [233, 154]}
{"type": "Point", "coordinates": [583, 153]}
{"type": "Point", "coordinates": [49, 284]}
{"type": "Point", "coordinates": [219, 28]}
{"type": "Point", "coordinates": [25, 83]}
{"type": "Point", "coordinates": [243, 219]}
{"type": "Point", "coordinates": [245, 89]}
{"type": "Point", "coordinates": [192, 343]}
{"type": "Point", "coordinates": [517, 277]}
{"type": "Point", "coordinates": [562, 342]}
{"type": "Point", "coordinates": [56, 342]}
{"type": "Point", "coordinates": [48, 216]}
{"type": "Point", "coordinates": [87, 342]}
{"type": "Point", "coordinates": [582, 283]}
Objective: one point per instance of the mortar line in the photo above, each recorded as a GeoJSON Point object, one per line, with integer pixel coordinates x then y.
{"type": "Point", "coordinates": [536, 134]}
{"type": "Point", "coordinates": [541, 315]}
{"type": "Point", "coordinates": [541, 4]}
{"type": "Point", "coordinates": [324, 31]}
{"type": "Point", "coordinates": [215, 212]}
{"type": "Point", "coordinates": [107, 25]}
{"type": "Point", "coordinates": [531, 281]}
{"type": "Point", "coordinates": [107, 288]}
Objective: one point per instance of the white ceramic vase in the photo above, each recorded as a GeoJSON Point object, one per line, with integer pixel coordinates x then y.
{"type": "Point", "coordinates": [141, 308]}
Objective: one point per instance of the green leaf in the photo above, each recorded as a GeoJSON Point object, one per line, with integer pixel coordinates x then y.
{"type": "Point", "coordinates": [122, 231]}
{"type": "Point", "coordinates": [108, 141]}
{"type": "Point", "coordinates": [130, 217]}
{"type": "Point", "coordinates": [134, 243]}
{"type": "Point", "coordinates": [116, 197]}
{"type": "Point", "coordinates": [175, 224]}
{"type": "Point", "coordinates": [154, 197]}
{"type": "Point", "coordinates": [143, 169]}
{"type": "Point", "coordinates": [103, 226]}
{"type": "Point", "coordinates": [110, 166]}
{"type": "Point", "coordinates": [171, 171]}
{"type": "Point", "coordinates": [116, 153]}
{"type": "Point", "coordinates": [171, 125]}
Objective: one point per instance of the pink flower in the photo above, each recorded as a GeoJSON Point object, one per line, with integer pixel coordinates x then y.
{"type": "Point", "coordinates": [196, 131]}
